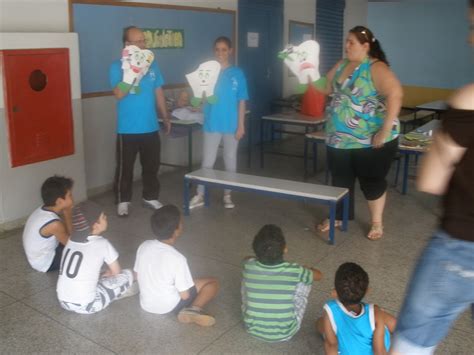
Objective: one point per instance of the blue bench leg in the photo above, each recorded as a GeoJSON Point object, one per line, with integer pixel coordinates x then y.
{"type": "Point", "coordinates": [332, 220]}
{"type": "Point", "coordinates": [207, 201]}
{"type": "Point", "coordinates": [186, 197]}
{"type": "Point", "coordinates": [345, 212]}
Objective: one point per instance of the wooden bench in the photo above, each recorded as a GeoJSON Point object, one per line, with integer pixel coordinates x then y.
{"type": "Point", "coordinates": [294, 190]}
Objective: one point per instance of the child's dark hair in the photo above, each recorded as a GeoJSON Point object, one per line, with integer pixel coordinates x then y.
{"type": "Point", "coordinates": [165, 221]}
{"type": "Point", "coordinates": [223, 39]}
{"type": "Point", "coordinates": [269, 245]}
{"type": "Point", "coordinates": [55, 187]}
{"type": "Point", "coordinates": [351, 283]}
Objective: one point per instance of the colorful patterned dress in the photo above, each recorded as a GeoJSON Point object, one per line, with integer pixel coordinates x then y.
{"type": "Point", "coordinates": [357, 110]}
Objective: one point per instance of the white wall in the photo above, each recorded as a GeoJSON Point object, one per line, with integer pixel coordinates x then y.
{"type": "Point", "coordinates": [34, 16]}
{"type": "Point", "coordinates": [20, 186]}
{"type": "Point", "coordinates": [355, 14]}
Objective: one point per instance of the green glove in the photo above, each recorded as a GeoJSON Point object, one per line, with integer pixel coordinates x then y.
{"type": "Point", "coordinates": [195, 101]}
{"type": "Point", "coordinates": [320, 83]}
{"type": "Point", "coordinates": [212, 99]}
{"type": "Point", "coordinates": [301, 88]}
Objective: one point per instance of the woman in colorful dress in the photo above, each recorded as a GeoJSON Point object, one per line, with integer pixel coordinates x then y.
{"type": "Point", "coordinates": [362, 130]}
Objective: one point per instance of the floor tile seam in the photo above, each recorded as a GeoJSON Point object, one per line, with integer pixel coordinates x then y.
{"type": "Point", "coordinates": [338, 245]}
{"type": "Point", "coordinates": [34, 293]}
{"type": "Point", "coordinates": [219, 337]}
{"type": "Point", "coordinates": [214, 259]}
{"type": "Point", "coordinates": [9, 304]}
{"type": "Point", "coordinates": [66, 326]}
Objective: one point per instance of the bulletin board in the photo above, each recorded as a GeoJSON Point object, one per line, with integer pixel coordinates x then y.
{"type": "Point", "coordinates": [100, 24]}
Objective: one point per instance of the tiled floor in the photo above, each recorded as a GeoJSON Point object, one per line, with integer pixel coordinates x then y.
{"type": "Point", "coordinates": [215, 240]}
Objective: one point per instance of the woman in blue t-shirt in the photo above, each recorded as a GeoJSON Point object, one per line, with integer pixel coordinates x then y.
{"type": "Point", "coordinates": [223, 120]}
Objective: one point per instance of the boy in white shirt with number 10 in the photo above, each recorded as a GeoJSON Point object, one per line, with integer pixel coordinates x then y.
{"type": "Point", "coordinates": [81, 288]}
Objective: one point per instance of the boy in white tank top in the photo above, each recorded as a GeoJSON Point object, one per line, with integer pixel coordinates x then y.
{"type": "Point", "coordinates": [81, 287]}
{"type": "Point", "coordinates": [48, 228]}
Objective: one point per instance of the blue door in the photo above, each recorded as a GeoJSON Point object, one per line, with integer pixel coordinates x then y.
{"type": "Point", "coordinates": [262, 67]}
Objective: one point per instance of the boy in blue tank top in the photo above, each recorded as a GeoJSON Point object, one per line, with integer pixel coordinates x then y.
{"type": "Point", "coordinates": [350, 326]}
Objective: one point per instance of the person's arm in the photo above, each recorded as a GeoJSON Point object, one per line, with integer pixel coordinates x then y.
{"type": "Point", "coordinates": [378, 342]}
{"type": "Point", "coordinates": [114, 268]}
{"type": "Point", "coordinates": [330, 339]}
{"type": "Point", "coordinates": [184, 295]}
{"type": "Point", "coordinates": [317, 275]}
{"type": "Point", "coordinates": [161, 102]}
{"type": "Point", "coordinates": [438, 164]}
{"type": "Point", "coordinates": [241, 125]}
{"type": "Point", "coordinates": [67, 218]}
{"type": "Point", "coordinates": [119, 94]}
{"type": "Point", "coordinates": [330, 77]}
{"type": "Point", "coordinates": [387, 84]}
{"type": "Point", "coordinates": [58, 230]}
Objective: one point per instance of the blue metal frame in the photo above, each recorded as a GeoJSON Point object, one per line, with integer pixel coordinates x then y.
{"type": "Point", "coordinates": [406, 164]}
{"type": "Point", "coordinates": [331, 203]}
{"type": "Point", "coordinates": [310, 125]}
{"type": "Point", "coordinates": [315, 158]}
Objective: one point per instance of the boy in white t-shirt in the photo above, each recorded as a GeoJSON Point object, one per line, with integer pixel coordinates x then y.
{"type": "Point", "coordinates": [48, 228]}
{"type": "Point", "coordinates": [166, 284]}
{"type": "Point", "coordinates": [81, 288]}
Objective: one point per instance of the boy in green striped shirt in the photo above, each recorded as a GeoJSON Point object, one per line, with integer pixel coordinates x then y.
{"type": "Point", "coordinates": [274, 292]}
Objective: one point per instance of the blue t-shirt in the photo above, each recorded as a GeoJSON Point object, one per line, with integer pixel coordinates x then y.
{"type": "Point", "coordinates": [136, 113]}
{"type": "Point", "coordinates": [223, 116]}
{"type": "Point", "coordinates": [354, 332]}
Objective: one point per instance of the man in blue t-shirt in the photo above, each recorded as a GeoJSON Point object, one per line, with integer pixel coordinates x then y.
{"type": "Point", "coordinates": [137, 128]}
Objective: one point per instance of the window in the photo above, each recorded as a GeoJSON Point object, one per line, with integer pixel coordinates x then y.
{"type": "Point", "coordinates": [330, 31]}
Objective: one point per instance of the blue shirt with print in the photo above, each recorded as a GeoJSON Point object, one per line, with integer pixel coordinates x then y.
{"type": "Point", "coordinates": [231, 87]}
{"type": "Point", "coordinates": [137, 112]}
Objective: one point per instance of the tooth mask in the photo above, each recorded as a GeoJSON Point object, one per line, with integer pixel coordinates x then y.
{"type": "Point", "coordinates": [303, 61]}
{"type": "Point", "coordinates": [203, 81]}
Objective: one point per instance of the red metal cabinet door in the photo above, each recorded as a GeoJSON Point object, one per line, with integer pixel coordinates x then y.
{"type": "Point", "coordinates": [38, 104]}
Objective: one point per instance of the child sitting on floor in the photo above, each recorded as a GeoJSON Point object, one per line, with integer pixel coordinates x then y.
{"type": "Point", "coordinates": [166, 284]}
{"type": "Point", "coordinates": [350, 326]}
{"type": "Point", "coordinates": [48, 228]}
{"type": "Point", "coordinates": [81, 288]}
{"type": "Point", "coordinates": [274, 292]}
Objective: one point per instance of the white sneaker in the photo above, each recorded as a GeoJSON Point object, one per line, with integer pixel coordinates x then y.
{"type": "Point", "coordinates": [153, 204]}
{"type": "Point", "coordinates": [196, 201]}
{"type": "Point", "coordinates": [122, 209]}
{"type": "Point", "coordinates": [228, 202]}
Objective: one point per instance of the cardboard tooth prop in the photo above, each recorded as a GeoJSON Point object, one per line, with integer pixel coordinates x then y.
{"type": "Point", "coordinates": [303, 61]}
{"type": "Point", "coordinates": [135, 65]}
{"type": "Point", "coordinates": [203, 81]}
